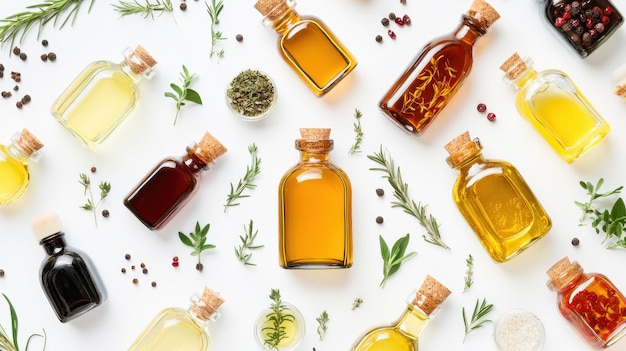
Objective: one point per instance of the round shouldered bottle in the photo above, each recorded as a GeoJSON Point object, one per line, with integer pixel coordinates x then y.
{"type": "Point", "coordinates": [555, 107]}
{"type": "Point", "coordinates": [178, 329]}
{"type": "Point", "coordinates": [14, 161]}
{"type": "Point", "coordinates": [590, 302]}
{"type": "Point", "coordinates": [495, 200]}
{"type": "Point", "coordinates": [102, 96]}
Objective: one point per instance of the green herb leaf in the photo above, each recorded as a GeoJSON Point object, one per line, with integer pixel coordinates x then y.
{"type": "Point", "coordinates": [5, 343]}
{"type": "Point", "coordinates": [91, 205]}
{"type": "Point", "coordinates": [251, 93]}
{"type": "Point", "coordinates": [469, 272]}
{"type": "Point", "coordinates": [480, 311]}
{"type": "Point", "coordinates": [612, 223]}
{"type": "Point", "coordinates": [357, 303]}
{"type": "Point", "coordinates": [594, 194]}
{"type": "Point", "coordinates": [279, 316]}
{"type": "Point", "coordinates": [394, 258]}
{"type": "Point", "coordinates": [214, 11]}
{"type": "Point", "coordinates": [197, 240]}
{"type": "Point", "coordinates": [146, 9]}
{"type": "Point", "coordinates": [193, 96]}
{"type": "Point", "coordinates": [322, 322]}
{"type": "Point", "coordinates": [356, 147]}
{"type": "Point", "coordinates": [244, 183]}
{"type": "Point", "coordinates": [184, 93]}
{"type": "Point", "coordinates": [247, 243]}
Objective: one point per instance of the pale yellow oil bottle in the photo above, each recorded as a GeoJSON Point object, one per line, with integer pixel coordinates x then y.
{"type": "Point", "coordinates": [14, 161]}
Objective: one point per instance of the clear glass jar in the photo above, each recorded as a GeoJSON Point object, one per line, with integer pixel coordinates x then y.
{"type": "Point", "coordinates": [294, 330]}
{"type": "Point", "coordinates": [519, 330]}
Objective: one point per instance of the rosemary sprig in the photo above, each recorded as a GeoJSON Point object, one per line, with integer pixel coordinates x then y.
{"type": "Point", "coordinates": [404, 201]}
{"type": "Point", "coordinates": [214, 11]}
{"type": "Point", "coordinates": [6, 344]}
{"type": "Point", "coordinates": [593, 192]}
{"type": "Point", "coordinates": [18, 24]}
{"type": "Point", "coordinates": [91, 205]}
{"type": "Point", "coordinates": [356, 146]}
{"type": "Point", "coordinates": [477, 315]}
{"type": "Point", "coordinates": [322, 326]}
{"type": "Point", "coordinates": [394, 258]}
{"type": "Point", "coordinates": [147, 9]}
{"type": "Point", "coordinates": [183, 93]}
{"type": "Point", "coordinates": [252, 171]}
{"type": "Point", "coordinates": [197, 241]}
{"type": "Point", "coordinates": [247, 243]}
{"type": "Point", "coordinates": [357, 303]}
{"type": "Point", "coordinates": [279, 316]}
{"type": "Point", "coordinates": [469, 262]}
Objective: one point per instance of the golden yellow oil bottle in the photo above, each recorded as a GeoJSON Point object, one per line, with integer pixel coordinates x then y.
{"type": "Point", "coordinates": [495, 200]}
{"type": "Point", "coordinates": [14, 160]}
{"type": "Point", "coordinates": [315, 208]}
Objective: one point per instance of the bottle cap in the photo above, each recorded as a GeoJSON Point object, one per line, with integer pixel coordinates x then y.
{"type": "Point", "coordinates": [271, 8]}
{"type": "Point", "coordinates": [483, 13]}
{"type": "Point", "coordinates": [619, 75]}
{"type": "Point", "coordinates": [209, 148]}
{"type": "Point", "coordinates": [315, 133]}
{"type": "Point", "coordinates": [562, 272]}
{"type": "Point", "coordinates": [460, 148]}
{"type": "Point", "coordinates": [46, 225]}
{"type": "Point", "coordinates": [28, 142]}
{"type": "Point", "coordinates": [514, 66]}
{"type": "Point", "coordinates": [208, 304]}
{"type": "Point", "coordinates": [430, 295]}
{"type": "Point", "coordinates": [140, 60]}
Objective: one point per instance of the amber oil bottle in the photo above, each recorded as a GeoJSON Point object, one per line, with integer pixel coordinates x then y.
{"type": "Point", "coordinates": [14, 160]}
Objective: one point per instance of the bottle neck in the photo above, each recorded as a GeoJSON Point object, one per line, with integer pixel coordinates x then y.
{"type": "Point", "coordinates": [17, 151]}
{"type": "Point", "coordinates": [54, 243]}
{"type": "Point", "coordinates": [282, 18]}
{"type": "Point", "coordinates": [314, 150]}
{"type": "Point", "coordinates": [193, 162]}
{"type": "Point", "coordinates": [134, 66]}
{"type": "Point", "coordinates": [469, 30]}
{"type": "Point", "coordinates": [412, 322]}
{"type": "Point", "coordinates": [528, 75]}
{"type": "Point", "coordinates": [465, 156]}
{"type": "Point", "coordinates": [567, 278]}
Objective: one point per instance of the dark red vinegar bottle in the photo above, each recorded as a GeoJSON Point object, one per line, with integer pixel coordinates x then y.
{"type": "Point", "coordinates": [171, 184]}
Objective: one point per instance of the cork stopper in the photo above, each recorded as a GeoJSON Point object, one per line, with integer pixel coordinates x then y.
{"type": "Point", "coordinates": [430, 295]}
{"type": "Point", "coordinates": [483, 13]}
{"type": "Point", "coordinates": [461, 148]}
{"type": "Point", "coordinates": [209, 148]}
{"type": "Point", "coordinates": [28, 142]}
{"type": "Point", "coordinates": [562, 272]}
{"type": "Point", "coordinates": [514, 66]}
{"type": "Point", "coordinates": [141, 60]}
{"type": "Point", "coordinates": [207, 305]}
{"type": "Point", "coordinates": [315, 133]}
{"type": "Point", "coordinates": [272, 9]}
{"type": "Point", "coordinates": [46, 225]}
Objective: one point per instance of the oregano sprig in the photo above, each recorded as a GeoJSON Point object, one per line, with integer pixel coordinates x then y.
{"type": "Point", "coordinates": [252, 170]}
{"type": "Point", "coordinates": [279, 316]}
{"type": "Point", "coordinates": [247, 244]}
{"type": "Point", "coordinates": [146, 9]}
{"type": "Point", "coordinates": [182, 94]}
{"type": "Point", "coordinates": [477, 321]}
{"type": "Point", "coordinates": [392, 259]}
{"type": "Point", "coordinates": [594, 194]}
{"type": "Point", "coordinates": [611, 221]}
{"type": "Point", "coordinates": [214, 11]}
{"type": "Point", "coordinates": [91, 204]}
{"type": "Point", "coordinates": [358, 138]}
{"type": "Point", "coordinates": [197, 240]}
{"type": "Point", "coordinates": [10, 343]}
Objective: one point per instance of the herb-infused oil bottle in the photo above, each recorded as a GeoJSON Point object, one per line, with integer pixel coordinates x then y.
{"type": "Point", "coordinates": [69, 279]}
{"type": "Point", "coordinates": [102, 96]}
{"type": "Point", "coordinates": [171, 183]}
{"type": "Point", "coordinates": [14, 161]}
{"type": "Point", "coordinates": [403, 334]}
{"type": "Point", "coordinates": [555, 106]}
{"type": "Point", "coordinates": [178, 329]}
{"type": "Point", "coordinates": [592, 304]}
{"type": "Point", "coordinates": [307, 45]}
{"type": "Point", "coordinates": [437, 72]}
{"type": "Point", "coordinates": [315, 208]}
{"type": "Point", "coordinates": [495, 200]}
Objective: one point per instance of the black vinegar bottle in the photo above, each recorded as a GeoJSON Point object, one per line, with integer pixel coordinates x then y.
{"type": "Point", "coordinates": [437, 72]}
{"type": "Point", "coordinates": [69, 279]}
{"type": "Point", "coordinates": [171, 183]}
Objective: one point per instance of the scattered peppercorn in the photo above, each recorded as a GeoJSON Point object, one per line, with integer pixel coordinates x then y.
{"type": "Point", "coordinates": [385, 21]}
{"type": "Point", "coordinates": [123, 270]}
{"type": "Point", "coordinates": [391, 34]}
{"type": "Point", "coordinates": [135, 281]}
{"type": "Point", "coordinates": [44, 57]}
{"type": "Point", "coordinates": [16, 50]}
{"type": "Point", "coordinates": [379, 219]}
{"type": "Point", "coordinates": [575, 241]}
{"type": "Point", "coordinates": [142, 265]}
{"type": "Point", "coordinates": [19, 104]}
{"type": "Point", "coordinates": [183, 6]}
{"type": "Point", "coordinates": [132, 267]}
{"type": "Point", "coordinates": [93, 169]}
{"type": "Point", "coordinates": [399, 21]}
{"type": "Point", "coordinates": [199, 266]}
{"type": "Point", "coordinates": [127, 257]}
{"type": "Point", "coordinates": [379, 38]}
{"type": "Point", "coordinates": [105, 213]}
{"type": "Point", "coordinates": [1, 272]}
{"type": "Point", "coordinates": [16, 87]}
{"type": "Point", "coordinates": [153, 284]}
{"type": "Point", "coordinates": [403, 1]}
{"type": "Point", "coordinates": [26, 99]}
{"type": "Point", "coordinates": [52, 56]}
{"type": "Point", "coordinates": [239, 37]}
{"type": "Point", "coordinates": [481, 107]}
{"type": "Point", "coordinates": [44, 42]}
{"type": "Point", "coordinates": [406, 19]}
{"type": "Point", "coordinates": [23, 56]}
{"type": "Point", "coordinates": [6, 94]}
{"type": "Point", "coordinates": [392, 16]}
{"type": "Point", "coordinates": [1, 67]}
{"type": "Point", "coordinates": [491, 116]}
{"type": "Point", "coordinates": [175, 261]}
{"type": "Point", "coordinates": [16, 76]}
{"type": "Point", "coordinates": [144, 271]}
{"type": "Point", "coordinates": [380, 192]}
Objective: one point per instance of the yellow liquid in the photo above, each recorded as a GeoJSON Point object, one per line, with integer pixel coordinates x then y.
{"type": "Point", "coordinates": [315, 218]}
{"type": "Point", "coordinates": [401, 336]}
{"type": "Point", "coordinates": [98, 100]}
{"type": "Point", "coordinates": [291, 330]}
{"type": "Point", "coordinates": [172, 330]}
{"type": "Point", "coordinates": [14, 177]}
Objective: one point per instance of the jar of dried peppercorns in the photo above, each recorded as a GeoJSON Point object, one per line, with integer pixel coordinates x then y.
{"type": "Point", "coordinates": [590, 302]}
{"type": "Point", "coordinates": [583, 24]}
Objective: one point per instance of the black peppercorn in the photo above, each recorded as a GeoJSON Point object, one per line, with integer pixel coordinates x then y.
{"type": "Point", "coordinates": [199, 266]}
{"type": "Point", "coordinates": [93, 169]}
{"type": "Point", "coordinates": [385, 21]}
{"type": "Point", "coordinates": [127, 257]}
{"type": "Point", "coordinates": [105, 213]}
{"type": "Point", "coordinates": [1, 272]}
{"type": "Point", "coordinates": [392, 16]}
{"type": "Point", "coordinates": [26, 99]}
{"type": "Point", "coordinates": [52, 56]}
{"type": "Point", "coordinates": [144, 271]}
{"type": "Point", "coordinates": [23, 56]}
{"type": "Point", "coordinates": [380, 192]}
{"type": "Point", "coordinates": [153, 284]}
{"type": "Point", "coordinates": [379, 38]}
{"type": "Point", "coordinates": [18, 104]}
{"type": "Point", "coordinates": [44, 57]}
{"type": "Point", "coordinates": [135, 281]}
{"type": "Point", "coordinates": [44, 42]}
{"type": "Point", "coordinates": [1, 67]}
{"type": "Point", "coordinates": [183, 6]}
{"type": "Point", "coordinates": [239, 37]}
{"type": "Point", "coordinates": [379, 219]}
{"type": "Point", "coordinates": [575, 241]}
{"type": "Point", "coordinates": [16, 50]}
{"type": "Point", "coordinates": [123, 270]}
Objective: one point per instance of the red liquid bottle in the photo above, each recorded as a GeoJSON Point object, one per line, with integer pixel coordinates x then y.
{"type": "Point", "coordinates": [171, 184]}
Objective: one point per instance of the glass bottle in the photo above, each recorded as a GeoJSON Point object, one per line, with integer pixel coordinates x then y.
{"type": "Point", "coordinates": [437, 72]}
{"type": "Point", "coordinates": [590, 302]}
{"type": "Point", "coordinates": [307, 45]}
{"type": "Point", "coordinates": [14, 161]}
{"type": "Point", "coordinates": [69, 279]}
{"type": "Point", "coordinates": [315, 208]}
{"type": "Point", "coordinates": [495, 200]}
{"type": "Point", "coordinates": [403, 334]}
{"type": "Point", "coordinates": [178, 329]}
{"type": "Point", "coordinates": [555, 106]}
{"type": "Point", "coordinates": [619, 76]}
{"type": "Point", "coordinates": [102, 96]}
{"type": "Point", "coordinates": [171, 183]}
{"type": "Point", "coordinates": [582, 24]}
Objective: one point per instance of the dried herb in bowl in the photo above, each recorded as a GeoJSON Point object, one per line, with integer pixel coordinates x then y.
{"type": "Point", "coordinates": [251, 94]}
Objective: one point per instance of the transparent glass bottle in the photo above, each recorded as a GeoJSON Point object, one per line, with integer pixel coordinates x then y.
{"type": "Point", "coordinates": [68, 277]}
{"type": "Point", "coordinates": [590, 302]}
{"type": "Point", "coordinates": [102, 96]}
{"type": "Point", "coordinates": [437, 72]}
{"type": "Point", "coordinates": [178, 329]}
{"type": "Point", "coordinates": [315, 208]}
{"type": "Point", "coordinates": [555, 106]}
{"type": "Point", "coordinates": [403, 334]}
{"type": "Point", "coordinates": [171, 183]}
{"type": "Point", "coordinates": [14, 161]}
{"type": "Point", "coordinates": [584, 25]}
{"type": "Point", "coordinates": [495, 200]}
{"type": "Point", "coordinates": [307, 45]}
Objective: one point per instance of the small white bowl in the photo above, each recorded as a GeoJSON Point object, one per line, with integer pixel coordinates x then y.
{"type": "Point", "coordinates": [295, 339]}
{"type": "Point", "coordinates": [262, 114]}
{"type": "Point", "coordinates": [519, 330]}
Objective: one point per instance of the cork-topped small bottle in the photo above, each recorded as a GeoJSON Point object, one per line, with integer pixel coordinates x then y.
{"type": "Point", "coordinates": [590, 302]}
{"type": "Point", "coordinates": [436, 73]}
{"type": "Point", "coordinates": [403, 334]}
{"type": "Point", "coordinates": [178, 329]}
{"type": "Point", "coordinates": [315, 208]}
{"type": "Point", "coordinates": [307, 45]}
{"type": "Point", "coordinates": [14, 165]}
{"type": "Point", "coordinates": [102, 96]}
{"type": "Point", "coordinates": [495, 200]}
{"type": "Point", "coordinates": [172, 182]}
{"type": "Point", "coordinates": [555, 107]}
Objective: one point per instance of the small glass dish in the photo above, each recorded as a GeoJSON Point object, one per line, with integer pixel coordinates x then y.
{"type": "Point", "coordinates": [294, 329]}
{"type": "Point", "coordinates": [251, 95]}
{"type": "Point", "coordinates": [519, 330]}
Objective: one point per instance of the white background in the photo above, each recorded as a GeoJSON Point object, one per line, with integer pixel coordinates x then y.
{"type": "Point", "coordinates": [148, 136]}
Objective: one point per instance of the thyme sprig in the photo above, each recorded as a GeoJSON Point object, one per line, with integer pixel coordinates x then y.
{"type": "Point", "coordinates": [146, 9]}
{"type": "Point", "coordinates": [404, 201]}
{"type": "Point", "coordinates": [252, 170]}
{"type": "Point", "coordinates": [91, 205]}
{"type": "Point", "coordinates": [357, 303]}
{"type": "Point", "coordinates": [279, 316]}
{"type": "Point", "coordinates": [18, 24]}
{"type": "Point", "coordinates": [183, 93]}
{"type": "Point", "coordinates": [469, 272]}
{"type": "Point", "coordinates": [214, 11]}
{"type": "Point", "coordinates": [477, 321]}
{"type": "Point", "coordinates": [247, 243]}
{"type": "Point", "coordinates": [6, 344]}
{"type": "Point", "coordinates": [594, 194]}
{"type": "Point", "coordinates": [197, 240]}
{"type": "Point", "coordinates": [394, 258]}
{"type": "Point", "coordinates": [356, 146]}
{"type": "Point", "coordinates": [322, 326]}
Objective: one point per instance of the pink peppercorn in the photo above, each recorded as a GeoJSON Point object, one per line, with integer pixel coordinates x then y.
{"type": "Point", "coordinates": [392, 35]}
